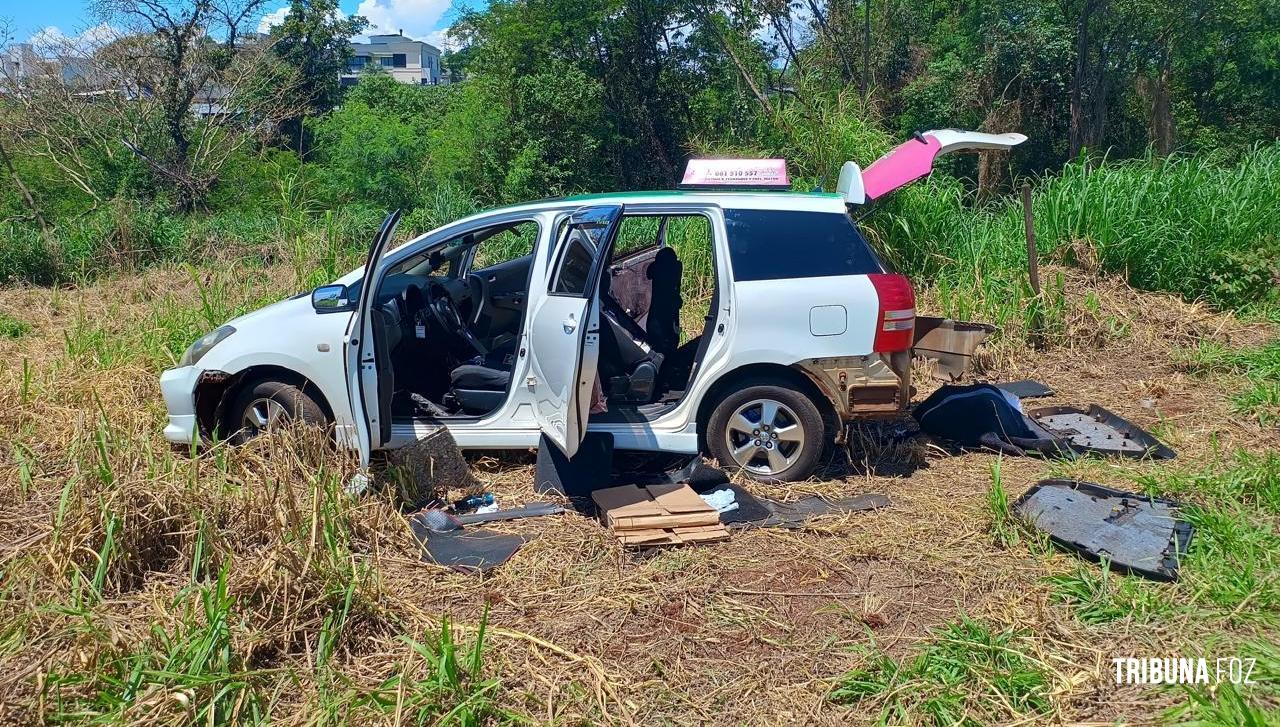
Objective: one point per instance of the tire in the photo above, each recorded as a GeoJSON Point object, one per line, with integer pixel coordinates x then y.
{"type": "Point", "coordinates": [795, 438]}
{"type": "Point", "coordinates": [265, 404]}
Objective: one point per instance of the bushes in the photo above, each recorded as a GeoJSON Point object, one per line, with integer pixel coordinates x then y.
{"type": "Point", "coordinates": [131, 235]}
{"type": "Point", "coordinates": [122, 235]}
{"type": "Point", "coordinates": [1183, 225]}
{"type": "Point", "coordinates": [369, 156]}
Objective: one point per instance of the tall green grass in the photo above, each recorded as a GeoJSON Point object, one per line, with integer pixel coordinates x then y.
{"type": "Point", "coordinates": [967, 673]}
{"type": "Point", "coordinates": [1184, 225]}
{"type": "Point", "coordinates": [127, 236]}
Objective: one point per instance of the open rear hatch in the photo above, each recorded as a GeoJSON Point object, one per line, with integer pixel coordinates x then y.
{"type": "Point", "coordinates": [912, 160]}
{"type": "Point", "coordinates": [949, 344]}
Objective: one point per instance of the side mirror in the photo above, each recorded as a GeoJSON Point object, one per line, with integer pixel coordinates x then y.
{"type": "Point", "coordinates": [331, 299]}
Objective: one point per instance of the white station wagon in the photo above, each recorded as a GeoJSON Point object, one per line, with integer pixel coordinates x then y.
{"type": "Point", "coordinates": [566, 316]}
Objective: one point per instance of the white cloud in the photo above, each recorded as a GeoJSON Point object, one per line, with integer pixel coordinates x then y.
{"type": "Point", "coordinates": [51, 40]}
{"type": "Point", "coordinates": [277, 16]}
{"type": "Point", "coordinates": [273, 18]}
{"type": "Point", "coordinates": [440, 39]}
{"type": "Point", "coordinates": [417, 18]}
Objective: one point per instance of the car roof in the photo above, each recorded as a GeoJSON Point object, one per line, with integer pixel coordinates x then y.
{"type": "Point", "coordinates": [779, 201]}
{"type": "Point", "coordinates": [729, 199]}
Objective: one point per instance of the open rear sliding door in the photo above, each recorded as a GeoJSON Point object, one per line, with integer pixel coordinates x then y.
{"type": "Point", "coordinates": [564, 328]}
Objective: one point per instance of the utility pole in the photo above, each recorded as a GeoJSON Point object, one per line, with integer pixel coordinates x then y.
{"type": "Point", "coordinates": [866, 49]}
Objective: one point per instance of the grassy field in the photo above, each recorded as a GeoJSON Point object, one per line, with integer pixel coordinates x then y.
{"type": "Point", "coordinates": [140, 584]}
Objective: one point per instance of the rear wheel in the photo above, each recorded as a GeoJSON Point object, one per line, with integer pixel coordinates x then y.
{"type": "Point", "coordinates": [770, 431]}
{"type": "Point", "coordinates": [267, 405]}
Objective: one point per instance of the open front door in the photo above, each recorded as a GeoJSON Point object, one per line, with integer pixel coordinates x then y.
{"type": "Point", "coordinates": [368, 362]}
{"type": "Point", "coordinates": [564, 330]}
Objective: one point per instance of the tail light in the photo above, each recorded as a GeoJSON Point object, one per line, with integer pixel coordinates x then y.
{"type": "Point", "coordinates": [896, 321]}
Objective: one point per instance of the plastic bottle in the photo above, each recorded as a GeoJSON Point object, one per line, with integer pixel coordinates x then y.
{"type": "Point", "coordinates": [473, 502]}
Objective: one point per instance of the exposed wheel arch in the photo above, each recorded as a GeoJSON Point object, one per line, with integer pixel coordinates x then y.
{"type": "Point", "coordinates": [215, 389]}
{"type": "Point", "coordinates": [764, 372]}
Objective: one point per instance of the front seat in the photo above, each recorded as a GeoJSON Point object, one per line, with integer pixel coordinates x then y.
{"type": "Point", "coordinates": [479, 389]}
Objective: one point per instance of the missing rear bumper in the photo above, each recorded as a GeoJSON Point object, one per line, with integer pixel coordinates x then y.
{"type": "Point", "coordinates": [857, 386]}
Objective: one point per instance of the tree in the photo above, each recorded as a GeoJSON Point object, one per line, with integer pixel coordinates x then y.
{"type": "Point", "coordinates": [632, 69]}
{"type": "Point", "coordinates": [314, 39]}
{"type": "Point", "coordinates": [184, 88]}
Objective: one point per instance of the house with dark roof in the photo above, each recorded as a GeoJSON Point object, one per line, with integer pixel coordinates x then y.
{"type": "Point", "coordinates": [406, 59]}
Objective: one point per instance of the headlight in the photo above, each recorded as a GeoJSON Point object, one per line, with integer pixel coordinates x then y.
{"type": "Point", "coordinates": [202, 346]}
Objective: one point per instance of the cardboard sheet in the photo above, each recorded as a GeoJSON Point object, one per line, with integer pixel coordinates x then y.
{"type": "Point", "coordinates": [662, 514]}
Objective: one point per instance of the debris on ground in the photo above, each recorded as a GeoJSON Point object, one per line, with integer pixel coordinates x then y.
{"type": "Point", "coordinates": [429, 468]}
{"type": "Point", "coordinates": [722, 500]}
{"type": "Point", "coordinates": [444, 541]}
{"type": "Point", "coordinates": [482, 502]}
{"type": "Point", "coordinates": [982, 415]}
{"type": "Point", "coordinates": [1026, 389]}
{"type": "Point", "coordinates": [537, 509]}
{"type": "Point", "coordinates": [1134, 533]}
{"type": "Point", "coordinates": [985, 415]}
{"type": "Point", "coordinates": [793, 515]}
{"type": "Point", "coordinates": [750, 508]}
{"type": "Point", "coordinates": [948, 344]}
{"type": "Point", "coordinates": [1098, 431]}
{"type": "Point", "coordinates": [658, 515]}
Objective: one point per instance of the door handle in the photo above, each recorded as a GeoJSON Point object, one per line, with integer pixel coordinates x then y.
{"type": "Point", "coordinates": [570, 324]}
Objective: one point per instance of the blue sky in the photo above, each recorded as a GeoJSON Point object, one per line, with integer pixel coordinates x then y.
{"type": "Point", "coordinates": [422, 19]}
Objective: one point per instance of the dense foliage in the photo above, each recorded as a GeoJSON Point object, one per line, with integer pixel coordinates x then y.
{"type": "Point", "coordinates": [556, 97]}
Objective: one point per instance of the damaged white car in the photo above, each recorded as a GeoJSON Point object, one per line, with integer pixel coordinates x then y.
{"type": "Point", "coordinates": [566, 316]}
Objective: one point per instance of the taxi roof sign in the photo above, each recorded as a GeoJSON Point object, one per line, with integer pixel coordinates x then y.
{"type": "Point", "coordinates": [736, 174]}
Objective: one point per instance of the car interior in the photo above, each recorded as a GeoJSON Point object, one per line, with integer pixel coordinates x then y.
{"type": "Point", "coordinates": [447, 322]}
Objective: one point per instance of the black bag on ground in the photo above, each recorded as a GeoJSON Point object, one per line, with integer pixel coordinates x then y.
{"type": "Point", "coordinates": [982, 415]}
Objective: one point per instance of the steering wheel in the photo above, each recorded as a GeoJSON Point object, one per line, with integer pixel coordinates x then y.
{"type": "Point", "coordinates": [446, 314]}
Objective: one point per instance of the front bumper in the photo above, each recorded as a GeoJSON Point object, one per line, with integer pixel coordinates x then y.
{"type": "Point", "coordinates": [179, 386]}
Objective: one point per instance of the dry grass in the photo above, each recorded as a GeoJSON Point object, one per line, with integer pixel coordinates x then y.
{"type": "Point", "coordinates": [321, 589]}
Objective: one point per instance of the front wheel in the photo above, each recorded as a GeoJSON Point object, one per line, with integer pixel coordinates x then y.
{"type": "Point", "coordinates": [267, 405]}
{"type": "Point", "coordinates": [770, 431]}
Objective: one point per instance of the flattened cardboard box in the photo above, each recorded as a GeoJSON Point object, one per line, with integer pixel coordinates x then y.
{"type": "Point", "coordinates": [658, 515]}
{"type": "Point", "coordinates": [674, 536]}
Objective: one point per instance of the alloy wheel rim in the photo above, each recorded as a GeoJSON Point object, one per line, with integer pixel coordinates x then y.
{"type": "Point", "coordinates": [263, 415]}
{"type": "Point", "coordinates": [764, 436]}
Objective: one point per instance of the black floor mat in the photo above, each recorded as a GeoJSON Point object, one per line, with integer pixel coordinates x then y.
{"type": "Point", "coordinates": [1134, 532]}
{"type": "Point", "coordinates": [466, 550]}
{"type": "Point", "coordinates": [1026, 389]}
{"type": "Point", "coordinates": [796, 514]}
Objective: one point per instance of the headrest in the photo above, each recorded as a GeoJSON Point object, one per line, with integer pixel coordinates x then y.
{"type": "Point", "coordinates": [665, 264]}
{"type": "Point", "coordinates": [413, 299]}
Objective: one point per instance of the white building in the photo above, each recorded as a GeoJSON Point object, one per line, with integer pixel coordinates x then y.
{"type": "Point", "coordinates": [17, 60]}
{"type": "Point", "coordinates": [406, 59]}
